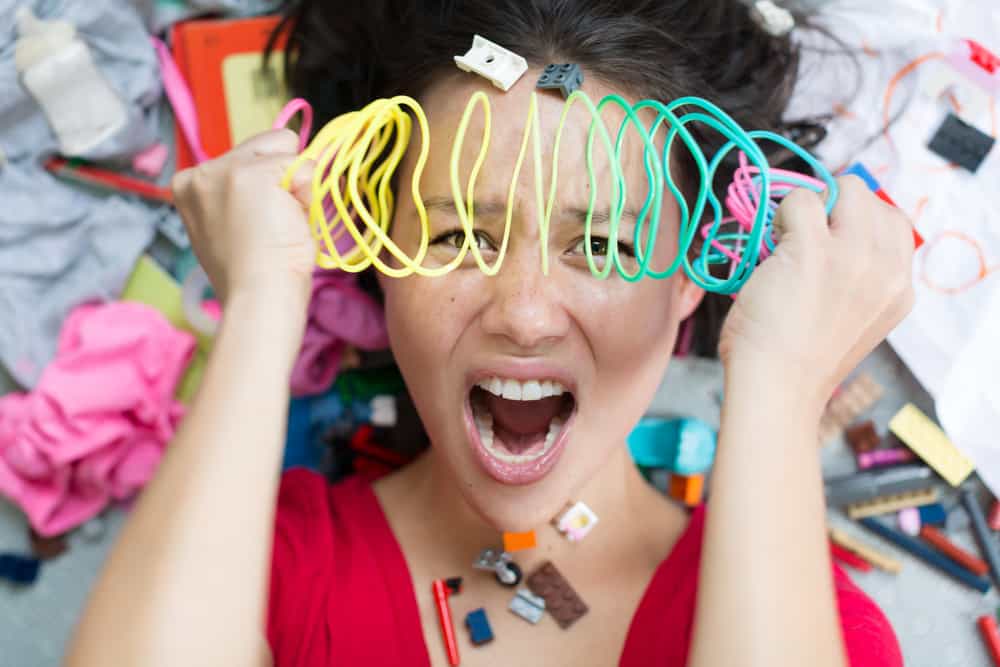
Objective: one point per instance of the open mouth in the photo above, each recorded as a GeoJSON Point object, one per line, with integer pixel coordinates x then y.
{"type": "Point", "coordinates": [519, 427]}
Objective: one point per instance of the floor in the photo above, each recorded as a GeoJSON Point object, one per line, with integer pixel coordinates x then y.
{"type": "Point", "coordinates": [933, 617]}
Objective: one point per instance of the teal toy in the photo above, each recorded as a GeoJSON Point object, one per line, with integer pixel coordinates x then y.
{"type": "Point", "coordinates": [682, 446]}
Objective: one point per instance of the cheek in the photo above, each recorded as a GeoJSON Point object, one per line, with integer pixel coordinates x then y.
{"type": "Point", "coordinates": [632, 339]}
{"type": "Point", "coordinates": [426, 318]}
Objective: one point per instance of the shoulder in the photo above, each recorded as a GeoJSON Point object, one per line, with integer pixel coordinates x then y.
{"type": "Point", "coordinates": [868, 635]}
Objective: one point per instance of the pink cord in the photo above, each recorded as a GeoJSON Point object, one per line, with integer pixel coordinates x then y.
{"type": "Point", "coordinates": [179, 94]}
{"type": "Point", "coordinates": [743, 199]}
{"type": "Point", "coordinates": [289, 111]}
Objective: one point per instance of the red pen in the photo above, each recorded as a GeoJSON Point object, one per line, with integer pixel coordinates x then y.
{"type": "Point", "coordinates": [81, 172]}
{"type": "Point", "coordinates": [442, 588]}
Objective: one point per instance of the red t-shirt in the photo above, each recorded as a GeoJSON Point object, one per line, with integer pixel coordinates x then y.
{"type": "Point", "coordinates": [341, 592]}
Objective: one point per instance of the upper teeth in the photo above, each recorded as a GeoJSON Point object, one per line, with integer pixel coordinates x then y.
{"type": "Point", "coordinates": [513, 390]}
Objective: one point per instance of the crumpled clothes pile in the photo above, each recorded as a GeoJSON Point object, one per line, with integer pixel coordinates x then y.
{"type": "Point", "coordinates": [62, 245]}
{"type": "Point", "coordinates": [95, 427]}
{"type": "Point", "coordinates": [340, 314]}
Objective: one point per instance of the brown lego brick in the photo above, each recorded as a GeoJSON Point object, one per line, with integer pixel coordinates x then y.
{"type": "Point", "coordinates": [561, 601]}
{"type": "Point", "coordinates": [46, 548]}
{"type": "Point", "coordinates": [862, 437]}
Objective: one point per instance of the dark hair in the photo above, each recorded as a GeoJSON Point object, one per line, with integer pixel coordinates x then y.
{"type": "Point", "coordinates": [345, 53]}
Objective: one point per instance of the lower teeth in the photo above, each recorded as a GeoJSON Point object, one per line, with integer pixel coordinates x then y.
{"type": "Point", "coordinates": [484, 423]}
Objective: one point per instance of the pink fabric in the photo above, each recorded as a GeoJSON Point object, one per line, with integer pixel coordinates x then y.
{"type": "Point", "coordinates": [95, 427]}
{"type": "Point", "coordinates": [340, 314]}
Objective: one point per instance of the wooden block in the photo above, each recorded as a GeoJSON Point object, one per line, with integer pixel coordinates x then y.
{"type": "Point", "coordinates": [519, 541]}
{"type": "Point", "coordinates": [854, 399]}
{"type": "Point", "coordinates": [891, 503]}
{"type": "Point", "coordinates": [687, 488]}
{"type": "Point", "coordinates": [929, 442]}
{"type": "Point", "coordinates": [870, 554]}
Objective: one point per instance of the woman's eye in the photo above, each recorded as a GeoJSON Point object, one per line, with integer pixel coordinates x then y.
{"type": "Point", "coordinates": [599, 247]}
{"type": "Point", "coordinates": [456, 239]}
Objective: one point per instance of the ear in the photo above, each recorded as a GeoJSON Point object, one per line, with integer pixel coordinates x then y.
{"type": "Point", "coordinates": [689, 296]}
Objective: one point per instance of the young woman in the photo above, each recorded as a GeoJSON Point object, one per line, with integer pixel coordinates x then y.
{"type": "Point", "coordinates": [200, 576]}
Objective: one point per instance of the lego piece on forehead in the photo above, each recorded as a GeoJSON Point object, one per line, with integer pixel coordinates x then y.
{"type": "Point", "coordinates": [564, 77]}
{"type": "Point", "coordinates": [493, 62]}
{"type": "Point", "coordinates": [561, 601]}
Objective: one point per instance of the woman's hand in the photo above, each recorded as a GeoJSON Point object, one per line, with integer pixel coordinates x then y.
{"type": "Point", "coordinates": [249, 234]}
{"type": "Point", "coordinates": [828, 295]}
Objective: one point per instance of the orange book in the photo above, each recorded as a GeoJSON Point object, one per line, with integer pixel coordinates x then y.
{"type": "Point", "coordinates": [234, 96]}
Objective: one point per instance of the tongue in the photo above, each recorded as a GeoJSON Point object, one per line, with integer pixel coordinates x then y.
{"type": "Point", "coordinates": [523, 417]}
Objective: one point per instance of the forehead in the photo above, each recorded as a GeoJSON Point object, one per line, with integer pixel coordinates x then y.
{"type": "Point", "coordinates": [448, 100]}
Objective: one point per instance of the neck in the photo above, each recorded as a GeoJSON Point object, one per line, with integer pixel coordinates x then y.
{"type": "Point", "coordinates": [435, 506]}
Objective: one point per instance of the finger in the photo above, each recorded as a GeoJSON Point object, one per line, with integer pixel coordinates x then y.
{"type": "Point", "coordinates": [856, 207]}
{"type": "Point", "coordinates": [301, 185]}
{"type": "Point", "coordinates": [801, 218]}
{"type": "Point", "coordinates": [272, 142]}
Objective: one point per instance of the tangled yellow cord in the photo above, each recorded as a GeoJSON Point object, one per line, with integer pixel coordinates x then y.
{"type": "Point", "coordinates": [357, 155]}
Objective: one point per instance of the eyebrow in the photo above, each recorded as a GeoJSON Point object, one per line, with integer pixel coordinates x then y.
{"type": "Point", "coordinates": [496, 207]}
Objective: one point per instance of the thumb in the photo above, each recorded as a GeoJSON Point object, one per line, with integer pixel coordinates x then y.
{"type": "Point", "coordinates": [301, 185]}
{"type": "Point", "coordinates": [801, 218]}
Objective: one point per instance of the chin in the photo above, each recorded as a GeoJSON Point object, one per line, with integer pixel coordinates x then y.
{"type": "Point", "coordinates": [519, 508]}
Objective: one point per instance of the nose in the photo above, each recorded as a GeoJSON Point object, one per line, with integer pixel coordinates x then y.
{"type": "Point", "coordinates": [524, 306]}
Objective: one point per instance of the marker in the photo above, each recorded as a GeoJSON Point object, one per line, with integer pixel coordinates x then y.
{"type": "Point", "coordinates": [983, 535]}
{"type": "Point", "coordinates": [991, 636]}
{"type": "Point", "coordinates": [926, 554]}
{"type": "Point", "coordinates": [442, 589]}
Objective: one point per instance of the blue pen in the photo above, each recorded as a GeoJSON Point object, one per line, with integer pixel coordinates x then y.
{"type": "Point", "coordinates": [925, 553]}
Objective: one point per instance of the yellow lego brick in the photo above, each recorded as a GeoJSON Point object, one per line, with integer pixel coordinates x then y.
{"type": "Point", "coordinates": [929, 442]}
{"type": "Point", "coordinates": [891, 503]}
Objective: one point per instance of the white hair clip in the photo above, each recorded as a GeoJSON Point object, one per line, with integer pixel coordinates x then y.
{"type": "Point", "coordinates": [776, 20]}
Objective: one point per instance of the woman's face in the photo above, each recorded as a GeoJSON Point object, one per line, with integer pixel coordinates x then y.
{"type": "Point", "coordinates": [526, 382]}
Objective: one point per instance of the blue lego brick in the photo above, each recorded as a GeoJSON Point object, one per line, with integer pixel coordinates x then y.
{"type": "Point", "coordinates": [480, 631]}
{"type": "Point", "coordinates": [933, 514]}
{"type": "Point", "coordinates": [19, 569]}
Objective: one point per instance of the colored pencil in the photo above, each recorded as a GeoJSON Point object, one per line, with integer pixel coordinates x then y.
{"type": "Point", "coordinates": [926, 554]}
{"type": "Point", "coordinates": [939, 541]}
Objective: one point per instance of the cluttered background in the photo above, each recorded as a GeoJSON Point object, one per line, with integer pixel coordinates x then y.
{"type": "Point", "coordinates": [105, 323]}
